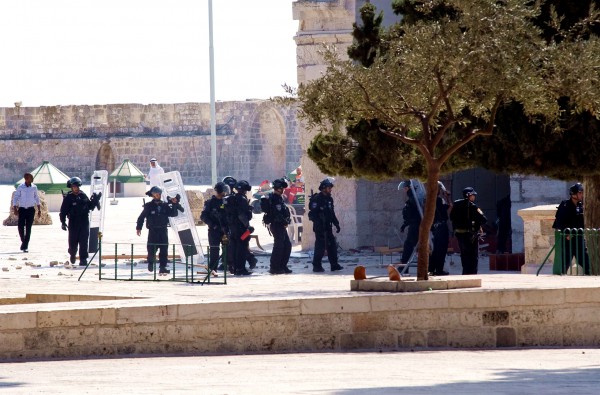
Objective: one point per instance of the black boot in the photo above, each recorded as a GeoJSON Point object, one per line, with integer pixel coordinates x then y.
{"type": "Point", "coordinates": [318, 268]}
{"type": "Point", "coordinates": [335, 267]}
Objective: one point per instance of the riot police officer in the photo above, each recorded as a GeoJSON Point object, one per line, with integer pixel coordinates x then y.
{"type": "Point", "coordinates": [213, 215]}
{"type": "Point", "coordinates": [412, 219]}
{"type": "Point", "coordinates": [157, 213]}
{"type": "Point", "coordinates": [439, 229]}
{"type": "Point", "coordinates": [76, 207]}
{"type": "Point", "coordinates": [467, 220]}
{"type": "Point", "coordinates": [322, 214]}
{"type": "Point", "coordinates": [239, 214]}
{"type": "Point", "coordinates": [278, 218]}
{"type": "Point", "coordinates": [250, 258]}
{"type": "Point", "coordinates": [569, 219]}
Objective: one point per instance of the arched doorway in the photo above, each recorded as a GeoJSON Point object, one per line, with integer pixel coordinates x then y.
{"type": "Point", "coordinates": [105, 159]}
{"type": "Point", "coordinates": [268, 142]}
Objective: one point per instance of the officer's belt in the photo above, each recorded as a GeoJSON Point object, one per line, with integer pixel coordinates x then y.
{"type": "Point", "coordinates": [462, 231]}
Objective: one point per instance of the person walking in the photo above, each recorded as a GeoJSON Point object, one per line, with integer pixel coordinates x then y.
{"type": "Point", "coordinates": [569, 220]}
{"type": "Point", "coordinates": [213, 215]}
{"type": "Point", "coordinates": [277, 218]}
{"type": "Point", "coordinates": [157, 213]}
{"type": "Point", "coordinates": [322, 214]}
{"type": "Point", "coordinates": [25, 199]}
{"type": "Point", "coordinates": [467, 220]}
{"type": "Point", "coordinates": [76, 206]}
{"type": "Point", "coordinates": [154, 173]}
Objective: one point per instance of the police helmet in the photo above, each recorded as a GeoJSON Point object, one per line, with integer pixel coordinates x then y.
{"type": "Point", "coordinates": [404, 184]}
{"type": "Point", "coordinates": [468, 191]}
{"type": "Point", "coordinates": [228, 180]}
{"type": "Point", "coordinates": [155, 189]}
{"type": "Point", "coordinates": [575, 188]}
{"type": "Point", "coordinates": [243, 186]}
{"type": "Point", "coordinates": [326, 183]}
{"type": "Point", "coordinates": [280, 183]}
{"type": "Point", "coordinates": [221, 187]}
{"type": "Point", "coordinates": [74, 182]}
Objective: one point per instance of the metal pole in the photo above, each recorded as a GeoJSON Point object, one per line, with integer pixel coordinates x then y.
{"type": "Point", "coordinates": [213, 121]}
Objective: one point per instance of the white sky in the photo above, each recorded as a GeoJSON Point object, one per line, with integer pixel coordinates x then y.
{"type": "Point", "coordinates": [143, 51]}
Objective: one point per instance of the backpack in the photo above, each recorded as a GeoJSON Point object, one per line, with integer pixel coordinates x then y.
{"type": "Point", "coordinates": [312, 202]}
{"type": "Point", "coordinates": [265, 207]}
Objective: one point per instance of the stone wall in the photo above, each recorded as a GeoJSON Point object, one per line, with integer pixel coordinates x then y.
{"type": "Point", "coordinates": [473, 319]}
{"type": "Point", "coordinates": [256, 140]}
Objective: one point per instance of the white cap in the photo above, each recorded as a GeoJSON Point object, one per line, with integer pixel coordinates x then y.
{"type": "Point", "coordinates": [153, 160]}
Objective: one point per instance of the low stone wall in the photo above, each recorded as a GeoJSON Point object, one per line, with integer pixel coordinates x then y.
{"type": "Point", "coordinates": [474, 319]}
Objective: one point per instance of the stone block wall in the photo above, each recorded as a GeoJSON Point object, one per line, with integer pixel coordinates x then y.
{"type": "Point", "coordinates": [474, 319]}
{"type": "Point", "coordinates": [255, 139]}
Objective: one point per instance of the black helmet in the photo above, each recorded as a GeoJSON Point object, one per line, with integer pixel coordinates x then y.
{"type": "Point", "coordinates": [280, 183]}
{"type": "Point", "coordinates": [154, 189]}
{"type": "Point", "coordinates": [325, 184]}
{"type": "Point", "coordinates": [243, 186]}
{"type": "Point", "coordinates": [228, 180]}
{"type": "Point", "coordinates": [468, 191]}
{"type": "Point", "coordinates": [221, 187]}
{"type": "Point", "coordinates": [404, 184]}
{"type": "Point", "coordinates": [575, 188]}
{"type": "Point", "coordinates": [74, 181]}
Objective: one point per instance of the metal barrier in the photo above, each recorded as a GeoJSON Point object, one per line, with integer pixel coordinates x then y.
{"type": "Point", "coordinates": [182, 269]}
{"type": "Point", "coordinates": [581, 244]}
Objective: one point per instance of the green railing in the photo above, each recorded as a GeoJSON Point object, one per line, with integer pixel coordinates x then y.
{"type": "Point", "coordinates": [576, 252]}
{"type": "Point", "coordinates": [123, 264]}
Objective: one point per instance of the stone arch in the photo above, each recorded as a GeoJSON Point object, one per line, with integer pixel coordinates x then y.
{"type": "Point", "coordinates": [268, 145]}
{"type": "Point", "coordinates": [105, 159]}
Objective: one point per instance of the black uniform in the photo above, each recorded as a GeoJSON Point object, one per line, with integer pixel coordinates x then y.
{"type": "Point", "coordinates": [279, 218]}
{"type": "Point", "coordinates": [570, 216]}
{"type": "Point", "coordinates": [412, 219]}
{"type": "Point", "coordinates": [239, 214]}
{"type": "Point", "coordinates": [77, 207]}
{"type": "Point", "coordinates": [157, 213]}
{"type": "Point", "coordinates": [322, 215]}
{"type": "Point", "coordinates": [213, 215]}
{"type": "Point", "coordinates": [467, 219]}
{"type": "Point", "coordinates": [440, 238]}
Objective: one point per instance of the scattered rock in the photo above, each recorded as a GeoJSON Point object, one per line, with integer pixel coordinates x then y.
{"type": "Point", "coordinates": [18, 267]}
{"type": "Point", "coordinates": [4, 269]}
{"type": "Point", "coordinates": [35, 276]}
{"type": "Point", "coordinates": [60, 274]}
{"type": "Point", "coordinates": [54, 263]}
{"type": "Point", "coordinates": [12, 258]}
{"type": "Point", "coordinates": [24, 259]}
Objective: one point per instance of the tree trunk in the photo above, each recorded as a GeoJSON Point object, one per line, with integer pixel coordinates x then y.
{"type": "Point", "coordinates": [591, 200]}
{"type": "Point", "coordinates": [433, 176]}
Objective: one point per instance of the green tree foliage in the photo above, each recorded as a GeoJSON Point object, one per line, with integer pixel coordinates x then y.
{"type": "Point", "coordinates": [437, 84]}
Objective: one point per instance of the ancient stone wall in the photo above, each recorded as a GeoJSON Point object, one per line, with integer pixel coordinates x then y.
{"type": "Point", "coordinates": [255, 139]}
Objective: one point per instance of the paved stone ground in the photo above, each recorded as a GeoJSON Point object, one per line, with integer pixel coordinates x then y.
{"type": "Point", "coordinates": [518, 371]}
{"type": "Point", "coordinates": [550, 371]}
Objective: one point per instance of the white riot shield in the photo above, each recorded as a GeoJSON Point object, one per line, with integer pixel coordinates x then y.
{"type": "Point", "coordinates": [99, 183]}
{"type": "Point", "coordinates": [183, 225]}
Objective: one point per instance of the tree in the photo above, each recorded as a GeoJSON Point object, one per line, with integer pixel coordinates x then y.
{"type": "Point", "coordinates": [527, 145]}
{"type": "Point", "coordinates": [438, 83]}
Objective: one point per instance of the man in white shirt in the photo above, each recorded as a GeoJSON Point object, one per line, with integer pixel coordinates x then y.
{"type": "Point", "coordinates": [25, 199]}
{"type": "Point", "coordinates": [154, 173]}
